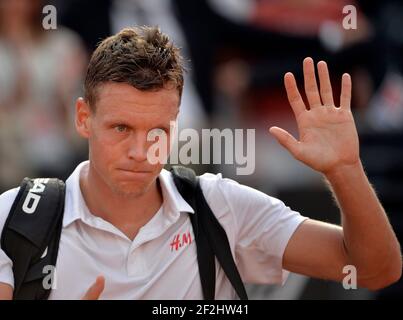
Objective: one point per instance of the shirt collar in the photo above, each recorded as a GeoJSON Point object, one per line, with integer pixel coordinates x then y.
{"type": "Point", "coordinates": [75, 207]}
{"type": "Point", "coordinates": [174, 203]}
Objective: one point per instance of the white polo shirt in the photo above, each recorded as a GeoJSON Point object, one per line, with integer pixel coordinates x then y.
{"type": "Point", "coordinates": [161, 262]}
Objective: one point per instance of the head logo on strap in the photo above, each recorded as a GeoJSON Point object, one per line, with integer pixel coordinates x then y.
{"type": "Point", "coordinates": [32, 199]}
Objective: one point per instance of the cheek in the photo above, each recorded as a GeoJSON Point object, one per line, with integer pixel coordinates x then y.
{"type": "Point", "coordinates": [104, 148]}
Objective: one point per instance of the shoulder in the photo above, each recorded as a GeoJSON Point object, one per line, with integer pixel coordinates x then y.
{"type": "Point", "coordinates": [237, 204]}
{"type": "Point", "coordinates": [246, 207]}
{"type": "Point", "coordinates": [6, 201]}
{"type": "Point", "coordinates": [211, 183]}
{"type": "Point", "coordinates": [232, 193]}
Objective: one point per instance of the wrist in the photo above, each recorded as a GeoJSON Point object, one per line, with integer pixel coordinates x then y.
{"type": "Point", "coordinates": [344, 172]}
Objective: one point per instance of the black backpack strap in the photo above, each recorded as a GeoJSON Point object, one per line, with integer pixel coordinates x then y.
{"type": "Point", "coordinates": [211, 238]}
{"type": "Point", "coordinates": [31, 235]}
{"type": "Point", "coordinates": [185, 181]}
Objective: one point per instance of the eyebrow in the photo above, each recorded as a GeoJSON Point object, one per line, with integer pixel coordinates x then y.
{"type": "Point", "coordinates": [116, 121]}
{"type": "Point", "coordinates": [112, 121]}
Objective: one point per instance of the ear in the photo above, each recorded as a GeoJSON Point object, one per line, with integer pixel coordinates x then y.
{"type": "Point", "coordinates": [83, 118]}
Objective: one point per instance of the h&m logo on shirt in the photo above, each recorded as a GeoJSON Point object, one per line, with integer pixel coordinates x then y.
{"type": "Point", "coordinates": [179, 242]}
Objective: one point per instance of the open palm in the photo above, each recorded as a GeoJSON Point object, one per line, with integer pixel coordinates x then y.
{"type": "Point", "coordinates": [327, 134]}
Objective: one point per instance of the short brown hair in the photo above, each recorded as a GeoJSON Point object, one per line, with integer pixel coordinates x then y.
{"type": "Point", "coordinates": [143, 57]}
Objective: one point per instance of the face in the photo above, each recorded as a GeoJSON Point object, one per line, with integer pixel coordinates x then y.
{"type": "Point", "coordinates": [117, 133]}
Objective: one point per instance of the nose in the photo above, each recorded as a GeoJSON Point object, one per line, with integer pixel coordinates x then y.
{"type": "Point", "coordinates": [138, 146]}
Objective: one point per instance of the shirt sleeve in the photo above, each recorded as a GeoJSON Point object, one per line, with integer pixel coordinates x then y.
{"type": "Point", "coordinates": [6, 265]}
{"type": "Point", "coordinates": [263, 225]}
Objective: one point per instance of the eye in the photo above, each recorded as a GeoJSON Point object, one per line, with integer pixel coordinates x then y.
{"type": "Point", "coordinates": [121, 128]}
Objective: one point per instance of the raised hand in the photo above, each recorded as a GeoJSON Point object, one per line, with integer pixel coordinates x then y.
{"type": "Point", "coordinates": [328, 137]}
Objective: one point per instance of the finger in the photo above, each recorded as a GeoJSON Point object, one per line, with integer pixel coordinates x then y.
{"type": "Point", "coordinates": [311, 87]}
{"type": "Point", "coordinates": [294, 97]}
{"type": "Point", "coordinates": [286, 140]}
{"type": "Point", "coordinates": [325, 85]}
{"type": "Point", "coordinates": [345, 96]}
{"type": "Point", "coordinates": [95, 290]}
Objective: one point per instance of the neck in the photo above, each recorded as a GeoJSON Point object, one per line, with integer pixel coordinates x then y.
{"type": "Point", "coordinates": [128, 214]}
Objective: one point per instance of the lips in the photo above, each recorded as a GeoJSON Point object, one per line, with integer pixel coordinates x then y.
{"type": "Point", "coordinates": [135, 171]}
{"type": "Point", "coordinates": [134, 174]}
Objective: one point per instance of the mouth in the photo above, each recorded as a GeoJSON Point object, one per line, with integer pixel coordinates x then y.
{"type": "Point", "coordinates": [130, 170]}
{"type": "Point", "coordinates": [134, 173]}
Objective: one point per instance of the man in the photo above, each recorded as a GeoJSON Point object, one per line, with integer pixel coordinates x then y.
{"type": "Point", "coordinates": [123, 214]}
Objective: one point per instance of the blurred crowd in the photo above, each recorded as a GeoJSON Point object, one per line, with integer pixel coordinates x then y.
{"type": "Point", "coordinates": [237, 52]}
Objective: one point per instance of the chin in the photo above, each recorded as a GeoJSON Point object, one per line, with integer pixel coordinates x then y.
{"type": "Point", "coordinates": [130, 190]}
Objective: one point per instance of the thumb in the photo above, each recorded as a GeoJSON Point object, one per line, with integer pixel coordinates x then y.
{"type": "Point", "coordinates": [95, 290]}
{"type": "Point", "coordinates": [286, 140]}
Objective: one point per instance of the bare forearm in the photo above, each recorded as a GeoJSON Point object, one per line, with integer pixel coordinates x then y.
{"type": "Point", "coordinates": [370, 242]}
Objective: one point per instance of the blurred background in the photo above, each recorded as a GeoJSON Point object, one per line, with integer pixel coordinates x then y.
{"type": "Point", "coordinates": [237, 52]}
